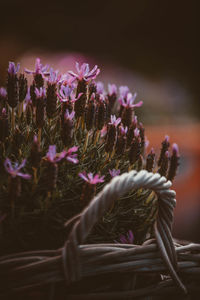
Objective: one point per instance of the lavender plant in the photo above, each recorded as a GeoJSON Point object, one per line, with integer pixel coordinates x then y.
{"type": "Point", "coordinates": [61, 129]}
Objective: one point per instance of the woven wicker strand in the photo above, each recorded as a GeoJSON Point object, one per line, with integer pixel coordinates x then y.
{"type": "Point", "coordinates": [27, 271]}
{"type": "Point", "coordinates": [103, 201]}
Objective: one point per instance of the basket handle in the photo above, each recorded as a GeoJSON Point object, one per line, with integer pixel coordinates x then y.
{"type": "Point", "coordinates": [101, 203]}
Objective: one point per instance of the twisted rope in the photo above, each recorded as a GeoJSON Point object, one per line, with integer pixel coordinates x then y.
{"type": "Point", "coordinates": [119, 186]}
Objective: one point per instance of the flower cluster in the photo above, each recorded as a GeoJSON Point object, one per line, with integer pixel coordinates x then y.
{"type": "Point", "coordinates": [72, 135]}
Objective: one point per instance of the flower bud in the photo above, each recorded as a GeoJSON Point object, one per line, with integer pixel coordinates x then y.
{"type": "Point", "coordinates": [22, 87]}
{"type": "Point", "coordinates": [100, 114]}
{"type": "Point", "coordinates": [127, 116]}
{"type": "Point", "coordinates": [174, 162]}
{"type": "Point", "coordinates": [32, 94]}
{"type": "Point", "coordinates": [90, 114]}
{"type": "Point", "coordinates": [35, 153]}
{"type": "Point", "coordinates": [150, 161]}
{"type": "Point", "coordinates": [164, 164]}
{"type": "Point", "coordinates": [4, 125]}
{"type": "Point", "coordinates": [135, 150]}
{"type": "Point", "coordinates": [51, 100]}
{"type": "Point", "coordinates": [12, 85]}
{"type": "Point", "coordinates": [68, 128]}
{"type": "Point", "coordinates": [164, 148]}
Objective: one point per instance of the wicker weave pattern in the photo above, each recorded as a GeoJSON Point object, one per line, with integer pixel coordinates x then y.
{"type": "Point", "coordinates": [32, 269]}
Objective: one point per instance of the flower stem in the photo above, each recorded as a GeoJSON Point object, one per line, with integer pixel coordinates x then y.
{"type": "Point", "coordinates": [78, 123]}
{"type": "Point", "coordinates": [35, 175]}
{"type": "Point", "coordinates": [20, 109]}
{"type": "Point", "coordinates": [106, 159]}
{"type": "Point", "coordinates": [86, 142]}
{"type": "Point", "coordinates": [117, 164]}
{"type": "Point", "coordinates": [82, 123]}
{"type": "Point", "coordinates": [39, 135]}
{"type": "Point", "coordinates": [97, 137]}
{"type": "Point", "coordinates": [13, 119]}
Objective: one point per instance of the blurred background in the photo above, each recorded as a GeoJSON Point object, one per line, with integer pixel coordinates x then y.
{"type": "Point", "coordinates": [151, 46]}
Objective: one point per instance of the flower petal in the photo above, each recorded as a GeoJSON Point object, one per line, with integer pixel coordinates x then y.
{"type": "Point", "coordinates": [24, 176]}
{"type": "Point", "coordinates": [83, 176]}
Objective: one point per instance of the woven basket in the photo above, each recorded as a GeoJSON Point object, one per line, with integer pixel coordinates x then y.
{"type": "Point", "coordinates": [158, 268]}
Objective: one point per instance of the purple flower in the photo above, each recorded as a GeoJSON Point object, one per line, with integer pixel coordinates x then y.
{"type": "Point", "coordinates": [90, 178]}
{"type": "Point", "coordinates": [114, 172]}
{"type": "Point", "coordinates": [114, 121]}
{"type": "Point", "coordinates": [167, 139]}
{"type": "Point", "coordinates": [136, 132]}
{"type": "Point", "coordinates": [123, 130]}
{"type": "Point", "coordinates": [40, 93]}
{"type": "Point", "coordinates": [175, 149]}
{"type": "Point", "coordinates": [84, 73]}
{"type": "Point", "coordinates": [54, 157]}
{"type": "Point", "coordinates": [12, 69]}
{"type": "Point", "coordinates": [101, 98]}
{"type": "Point", "coordinates": [53, 77]}
{"type": "Point", "coordinates": [129, 101]}
{"type": "Point", "coordinates": [66, 94]}
{"type": "Point", "coordinates": [127, 239]}
{"type": "Point", "coordinates": [14, 170]}
{"type": "Point", "coordinates": [39, 68]}
{"type": "Point", "coordinates": [3, 93]}
{"type": "Point", "coordinates": [112, 89]}
{"type": "Point", "coordinates": [67, 79]}
{"type": "Point", "coordinates": [100, 87]}
{"type": "Point", "coordinates": [123, 91]}
{"type": "Point", "coordinates": [65, 91]}
{"type": "Point", "coordinates": [71, 156]}
{"type": "Point", "coordinates": [68, 115]}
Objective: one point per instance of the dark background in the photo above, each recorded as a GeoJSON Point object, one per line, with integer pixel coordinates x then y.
{"type": "Point", "coordinates": [152, 37]}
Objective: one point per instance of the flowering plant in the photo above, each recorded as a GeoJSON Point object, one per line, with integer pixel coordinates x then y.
{"type": "Point", "coordinates": [75, 136]}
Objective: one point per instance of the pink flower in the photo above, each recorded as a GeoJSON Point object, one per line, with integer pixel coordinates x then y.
{"type": "Point", "coordinates": [136, 132]}
{"type": "Point", "coordinates": [114, 121]}
{"type": "Point", "coordinates": [112, 89]}
{"type": "Point", "coordinates": [114, 172]}
{"type": "Point", "coordinates": [14, 170]}
{"type": "Point", "coordinates": [129, 101]}
{"type": "Point", "coordinates": [54, 157]}
{"type": "Point", "coordinates": [90, 178]}
{"type": "Point", "coordinates": [39, 68]}
{"type": "Point", "coordinates": [84, 73]}
{"type": "Point", "coordinates": [123, 130]}
{"type": "Point", "coordinates": [123, 91]}
{"type": "Point", "coordinates": [100, 87]}
{"type": "Point", "coordinates": [71, 156]}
